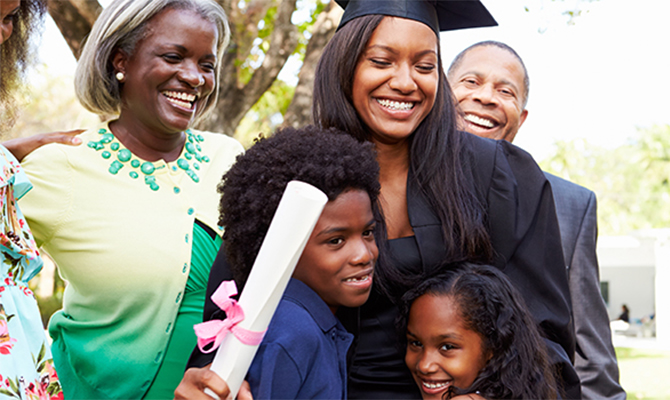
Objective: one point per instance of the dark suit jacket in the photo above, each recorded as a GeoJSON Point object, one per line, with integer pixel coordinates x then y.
{"type": "Point", "coordinates": [595, 360]}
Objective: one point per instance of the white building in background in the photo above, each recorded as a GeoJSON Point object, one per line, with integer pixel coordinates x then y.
{"type": "Point", "coordinates": [635, 270]}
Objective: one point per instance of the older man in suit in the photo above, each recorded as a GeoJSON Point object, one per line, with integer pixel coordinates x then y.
{"type": "Point", "coordinates": [490, 83]}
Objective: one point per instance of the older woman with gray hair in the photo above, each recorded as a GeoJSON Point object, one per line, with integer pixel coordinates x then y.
{"type": "Point", "coordinates": [130, 216]}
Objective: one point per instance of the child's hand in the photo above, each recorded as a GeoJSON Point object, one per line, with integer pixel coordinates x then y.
{"type": "Point", "coordinates": [196, 380]}
{"type": "Point", "coordinates": [245, 392]}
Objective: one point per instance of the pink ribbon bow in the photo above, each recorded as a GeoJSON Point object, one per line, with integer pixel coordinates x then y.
{"type": "Point", "coordinates": [216, 330]}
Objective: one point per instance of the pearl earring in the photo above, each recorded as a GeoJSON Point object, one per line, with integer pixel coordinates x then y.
{"type": "Point", "coordinates": [120, 76]}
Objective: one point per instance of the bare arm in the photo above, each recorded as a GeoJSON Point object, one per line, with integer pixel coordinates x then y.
{"type": "Point", "coordinates": [21, 147]}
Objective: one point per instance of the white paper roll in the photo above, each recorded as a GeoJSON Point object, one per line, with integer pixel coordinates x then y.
{"type": "Point", "coordinates": [298, 211]}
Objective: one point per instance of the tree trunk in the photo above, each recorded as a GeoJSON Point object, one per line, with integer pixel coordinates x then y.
{"type": "Point", "coordinates": [236, 98]}
{"type": "Point", "coordinates": [74, 19]}
{"type": "Point", "coordinates": [299, 112]}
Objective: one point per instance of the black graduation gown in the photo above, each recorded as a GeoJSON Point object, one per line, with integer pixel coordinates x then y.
{"type": "Point", "coordinates": [524, 232]}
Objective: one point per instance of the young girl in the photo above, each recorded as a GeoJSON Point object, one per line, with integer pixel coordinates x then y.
{"type": "Point", "coordinates": [303, 353]}
{"type": "Point", "coordinates": [469, 333]}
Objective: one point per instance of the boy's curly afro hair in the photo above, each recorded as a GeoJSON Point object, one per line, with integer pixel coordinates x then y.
{"type": "Point", "coordinates": [330, 160]}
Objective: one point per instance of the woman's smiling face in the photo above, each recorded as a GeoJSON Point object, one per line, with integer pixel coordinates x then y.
{"type": "Point", "coordinates": [396, 79]}
{"type": "Point", "coordinates": [441, 350]}
{"type": "Point", "coordinates": [171, 73]}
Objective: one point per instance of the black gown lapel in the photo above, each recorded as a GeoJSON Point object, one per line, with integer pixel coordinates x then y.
{"type": "Point", "coordinates": [426, 226]}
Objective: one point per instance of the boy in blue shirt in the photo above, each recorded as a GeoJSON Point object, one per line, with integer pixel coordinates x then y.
{"type": "Point", "coordinates": [303, 353]}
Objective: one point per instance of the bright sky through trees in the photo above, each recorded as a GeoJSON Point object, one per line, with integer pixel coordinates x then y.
{"type": "Point", "coordinates": [597, 78]}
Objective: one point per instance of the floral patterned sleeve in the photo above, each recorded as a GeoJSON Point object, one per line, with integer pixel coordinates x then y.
{"type": "Point", "coordinates": [26, 366]}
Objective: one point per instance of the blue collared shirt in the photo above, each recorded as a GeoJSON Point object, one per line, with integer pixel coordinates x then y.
{"type": "Point", "coordinates": [304, 352]}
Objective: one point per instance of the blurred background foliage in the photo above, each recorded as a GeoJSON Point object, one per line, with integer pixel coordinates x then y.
{"type": "Point", "coordinates": [49, 104]}
{"type": "Point", "coordinates": [631, 182]}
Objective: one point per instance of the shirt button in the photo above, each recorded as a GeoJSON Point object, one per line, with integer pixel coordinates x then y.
{"type": "Point", "coordinates": [186, 238]}
{"type": "Point", "coordinates": [167, 330]}
{"type": "Point", "coordinates": [190, 211]}
{"type": "Point", "coordinates": [185, 268]}
{"type": "Point", "coordinates": [178, 298]}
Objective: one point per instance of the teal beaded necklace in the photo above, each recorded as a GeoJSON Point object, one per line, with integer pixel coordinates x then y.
{"type": "Point", "coordinates": [189, 162]}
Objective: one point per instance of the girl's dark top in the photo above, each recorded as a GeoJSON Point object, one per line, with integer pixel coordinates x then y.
{"type": "Point", "coordinates": [524, 232]}
{"type": "Point", "coordinates": [624, 316]}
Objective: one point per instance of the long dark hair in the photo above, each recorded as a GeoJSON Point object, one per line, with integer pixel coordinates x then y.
{"type": "Point", "coordinates": [434, 148]}
{"type": "Point", "coordinates": [492, 307]}
{"type": "Point", "coordinates": [16, 56]}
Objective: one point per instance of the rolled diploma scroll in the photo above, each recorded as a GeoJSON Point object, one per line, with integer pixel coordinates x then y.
{"type": "Point", "coordinates": [298, 211]}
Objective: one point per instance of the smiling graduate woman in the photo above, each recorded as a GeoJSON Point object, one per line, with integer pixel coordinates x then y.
{"type": "Point", "coordinates": [130, 216]}
{"type": "Point", "coordinates": [446, 195]}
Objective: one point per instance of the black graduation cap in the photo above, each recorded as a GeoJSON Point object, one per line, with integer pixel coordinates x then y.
{"type": "Point", "coordinates": [439, 15]}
